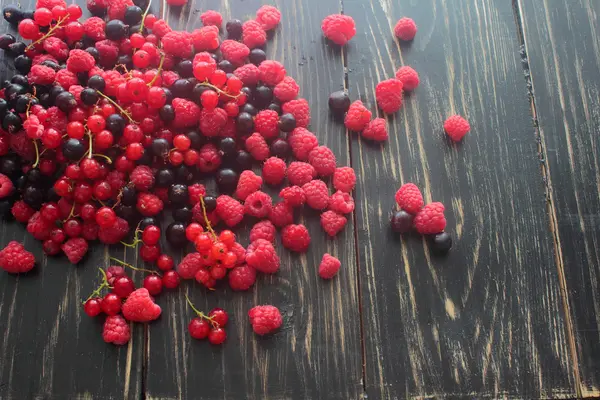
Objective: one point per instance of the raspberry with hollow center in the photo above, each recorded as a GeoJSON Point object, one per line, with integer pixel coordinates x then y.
{"type": "Point", "coordinates": [258, 204]}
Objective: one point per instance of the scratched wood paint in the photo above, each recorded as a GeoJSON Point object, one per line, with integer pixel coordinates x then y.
{"type": "Point", "coordinates": [317, 354]}
{"type": "Point", "coordinates": [563, 46]}
{"type": "Point", "coordinates": [488, 319]}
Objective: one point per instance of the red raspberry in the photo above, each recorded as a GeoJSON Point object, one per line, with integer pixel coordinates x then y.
{"type": "Point", "coordinates": [94, 29]}
{"type": "Point", "coordinates": [6, 186]}
{"type": "Point", "coordinates": [112, 79]}
{"type": "Point", "coordinates": [212, 121]}
{"type": "Point", "coordinates": [50, 4]}
{"type": "Point", "coordinates": [115, 233]}
{"type": "Point", "coordinates": [332, 222]}
{"type": "Point", "coordinates": [177, 43]}
{"type": "Point", "coordinates": [323, 160]}
{"type": "Point", "coordinates": [139, 307]}
{"type": "Point", "coordinates": [409, 78]}
{"type": "Point", "coordinates": [161, 28]}
{"type": "Point", "coordinates": [142, 178]}
{"type": "Point", "coordinates": [248, 183]}
{"type": "Point", "coordinates": [116, 330]}
{"type": "Point", "coordinates": [40, 58]}
{"type": "Point", "coordinates": [208, 158]}
{"type": "Point", "coordinates": [299, 173]}
{"type": "Point", "coordinates": [108, 52]}
{"type": "Point", "coordinates": [265, 319]}
{"type": "Point", "coordinates": [21, 211]}
{"type": "Point", "coordinates": [295, 238]}
{"type": "Point", "coordinates": [405, 29]}
{"type": "Point", "coordinates": [149, 204]}
{"type": "Point", "coordinates": [430, 220]}
{"type": "Point", "coordinates": [338, 28]}
{"type": "Point", "coordinates": [273, 171]}
{"type": "Point", "coordinates": [300, 109]}
{"type": "Point", "coordinates": [75, 249]}
{"type": "Point", "coordinates": [56, 48]}
{"type": "Point", "coordinates": [286, 90]}
{"type": "Point", "coordinates": [263, 230]}
{"type": "Point", "coordinates": [234, 52]}
{"type": "Point", "coordinates": [177, 3]}
{"type": "Point", "coordinates": [229, 210]}
{"type": "Point", "coordinates": [22, 145]}
{"type": "Point", "coordinates": [90, 230]}
{"type": "Point", "coordinates": [187, 113]}
{"type": "Point", "coordinates": [271, 72]}
{"type": "Point", "coordinates": [344, 179]}
{"type": "Point", "coordinates": [261, 256]}
{"type": "Point", "coordinates": [14, 259]}
{"type": "Point", "coordinates": [66, 78]}
{"type": "Point", "coordinates": [266, 123]}
{"type": "Point", "coordinates": [317, 194]}
{"type": "Point", "coordinates": [293, 196]}
{"type": "Point", "coordinates": [409, 198]}
{"type": "Point", "coordinates": [357, 116]}
{"type": "Point", "coordinates": [211, 18]}
{"type": "Point", "coordinates": [376, 130]}
{"type": "Point", "coordinates": [195, 191]}
{"type": "Point", "coordinates": [38, 227]}
{"type": "Point", "coordinates": [389, 95]}
{"type": "Point", "coordinates": [248, 74]}
{"type": "Point", "coordinates": [258, 204]}
{"type": "Point", "coordinates": [257, 147]}
{"type": "Point", "coordinates": [80, 61]}
{"type": "Point", "coordinates": [116, 9]}
{"type": "Point", "coordinates": [190, 264]}
{"type": "Point", "coordinates": [41, 75]}
{"type": "Point", "coordinates": [302, 141]}
{"type": "Point", "coordinates": [329, 266]}
{"type": "Point", "coordinates": [242, 277]}
{"type": "Point", "coordinates": [253, 34]}
{"type": "Point", "coordinates": [456, 127]}
{"type": "Point", "coordinates": [206, 38]}
{"type": "Point", "coordinates": [281, 215]}
{"type": "Point", "coordinates": [341, 202]}
{"type": "Point", "coordinates": [268, 17]}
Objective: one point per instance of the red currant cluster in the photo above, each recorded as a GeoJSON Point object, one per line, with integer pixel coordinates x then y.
{"type": "Point", "coordinates": [211, 326]}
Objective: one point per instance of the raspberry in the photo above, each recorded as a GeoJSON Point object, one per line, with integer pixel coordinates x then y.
{"type": "Point", "coordinates": [293, 196]}
{"type": "Point", "coordinates": [212, 121]}
{"type": "Point", "coordinates": [94, 28]}
{"type": "Point", "coordinates": [271, 72]}
{"type": "Point", "coordinates": [14, 259]}
{"type": "Point", "coordinates": [332, 222]}
{"type": "Point", "coordinates": [90, 230]}
{"type": "Point", "coordinates": [261, 256]}
{"type": "Point", "coordinates": [190, 264]}
{"type": "Point", "coordinates": [139, 307]}
{"type": "Point", "coordinates": [161, 28]}
{"type": "Point", "coordinates": [234, 52]}
{"type": "Point", "coordinates": [211, 18]}
{"type": "Point", "coordinates": [341, 202]}
{"type": "Point", "coordinates": [75, 249]}
{"type": "Point", "coordinates": [295, 238]}
{"type": "Point", "coordinates": [187, 113]}
{"type": "Point", "coordinates": [329, 266]}
{"type": "Point", "coordinates": [357, 116]}
{"type": "Point", "coordinates": [208, 158]}
{"type": "Point", "coordinates": [80, 61]}
{"type": "Point", "coordinates": [142, 178]}
{"type": "Point", "coordinates": [302, 141]}
{"type": "Point", "coordinates": [409, 78]}
{"type": "Point", "coordinates": [376, 130]}
{"type": "Point", "coordinates": [229, 210]}
{"type": "Point", "coordinates": [149, 204]}
{"type": "Point", "coordinates": [253, 34]}
{"type": "Point", "coordinates": [317, 194]}
{"type": "Point", "coordinates": [257, 147]}
{"type": "Point", "coordinates": [430, 220]}
{"type": "Point", "coordinates": [195, 191]}
{"type": "Point", "coordinates": [115, 233]}
{"type": "Point", "coordinates": [263, 230]}
{"type": "Point", "coordinates": [177, 3]}
{"type": "Point", "coordinates": [6, 186]}
{"type": "Point", "coordinates": [286, 90]}
{"type": "Point", "coordinates": [206, 38]}
{"type": "Point", "coordinates": [456, 127]}
{"type": "Point", "coordinates": [40, 58]}
{"type": "Point", "coordinates": [299, 173]}
{"type": "Point", "coordinates": [248, 74]}
{"type": "Point", "coordinates": [50, 4]}
{"type": "Point", "coordinates": [281, 215]}
{"type": "Point", "coordinates": [38, 227]}
{"type": "Point", "coordinates": [116, 330]}
{"type": "Point", "coordinates": [66, 78]}
{"type": "Point", "coordinates": [405, 29]}
{"type": "Point", "coordinates": [41, 75]}
{"type": "Point", "coordinates": [323, 160]}
{"type": "Point", "coordinates": [108, 51]}
{"type": "Point", "coordinates": [177, 43]}
{"type": "Point", "coordinates": [116, 9]}
{"type": "Point", "coordinates": [300, 109]}
{"type": "Point", "coordinates": [273, 171]}
{"type": "Point", "coordinates": [266, 123]}
{"type": "Point", "coordinates": [409, 198]}
{"type": "Point", "coordinates": [344, 179]}
{"type": "Point", "coordinates": [268, 17]}
{"type": "Point", "coordinates": [248, 183]}
{"type": "Point", "coordinates": [21, 211]}
{"type": "Point", "coordinates": [258, 204]}
{"type": "Point", "coordinates": [338, 28]}
{"type": "Point", "coordinates": [389, 95]}
{"type": "Point", "coordinates": [56, 48]}
{"type": "Point", "coordinates": [241, 277]}
{"type": "Point", "coordinates": [265, 319]}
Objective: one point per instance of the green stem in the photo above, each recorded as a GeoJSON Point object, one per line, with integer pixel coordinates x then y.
{"type": "Point", "coordinates": [104, 284]}
{"type": "Point", "coordinates": [198, 313]}
{"type": "Point", "coordinates": [123, 263]}
{"type": "Point", "coordinates": [208, 226]}
{"type": "Point", "coordinates": [49, 33]}
{"type": "Point", "coordinates": [160, 66]}
{"type": "Point", "coordinates": [144, 16]}
{"type": "Point", "coordinates": [114, 103]}
{"type": "Point", "coordinates": [37, 154]}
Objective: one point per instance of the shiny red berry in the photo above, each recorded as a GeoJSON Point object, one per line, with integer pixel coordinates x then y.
{"type": "Point", "coordinates": [219, 316]}
{"type": "Point", "coordinates": [111, 304]}
{"type": "Point", "coordinates": [171, 279]}
{"type": "Point", "coordinates": [199, 328]}
{"type": "Point", "coordinates": [123, 286]}
{"type": "Point", "coordinates": [93, 307]}
{"type": "Point", "coordinates": [151, 235]}
{"type": "Point", "coordinates": [217, 336]}
{"type": "Point", "coordinates": [106, 217]}
{"type": "Point", "coordinates": [165, 262]}
{"type": "Point", "coordinates": [154, 284]}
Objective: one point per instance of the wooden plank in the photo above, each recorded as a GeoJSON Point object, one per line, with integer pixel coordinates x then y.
{"type": "Point", "coordinates": [317, 353]}
{"type": "Point", "coordinates": [487, 320]}
{"type": "Point", "coordinates": [564, 62]}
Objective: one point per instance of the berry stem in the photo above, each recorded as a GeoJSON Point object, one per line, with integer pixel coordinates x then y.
{"type": "Point", "coordinates": [160, 67]}
{"type": "Point", "coordinates": [144, 17]}
{"type": "Point", "coordinates": [135, 240]}
{"type": "Point", "coordinates": [49, 33]}
{"type": "Point", "coordinates": [107, 158]}
{"type": "Point", "coordinates": [114, 103]}
{"type": "Point", "coordinates": [89, 135]}
{"type": "Point", "coordinates": [198, 313]}
{"type": "Point", "coordinates": [37, 154]}
{"type": "Point", "coordinates": [216, 89]}
{"type": "Point", "coordinates": [123, 263]}
{"type": "Point", "coordinates": [104, 284]}
{"type": "Point", "coordinates": [208, 226]}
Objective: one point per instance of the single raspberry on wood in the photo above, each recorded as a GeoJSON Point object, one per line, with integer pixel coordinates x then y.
{"type": "Point", "coordinates": [295, 238]}
{"type": "Point", "coordinates": [302, 141]}
{"type": "Point", "coordinates": [430, 220]}
{"type": "Point", "coordinates": [281, 215]}
{"type": "Point", "coordinates": [405, 29]}
{"type": "Point", "coordinates": [15, 259]}
{"type": "Point", "coordinates": [211, 18]}
{"type": "Point", "coordinates": [317, 194]}
{"type": "Point", "coordinates": [338, 28]}
{"type": "Point", "coordinates": [253, 34]}
{"type": "Point", "coordinates": [258, 204]}
{"type": "Point", "coordinates": [265, 319]}
{"type": "Point", "coordinates": [409, 78]}
{"type": "Point", "coordinates": [293, 196]}
{"type": "Point", "coordinates": [300, 109]}
{"type": "Point", "coordinates": [229, 210]}
{"type": "Point", "coordinates": [389, 95]}
{"type": "Point", "coordinates": [75, 249]}
{"type": "Point", "coordinates": [332, 222]}
{"type": "Point", "coordinates": [263, 230]}
{"type": "Point", "coordinates": [409, 198]}
{"type": "Point", "coordinates": [329, 266]}
{"type": "Point", "coordinates": [274, 170]}
{"type": "Point", "coordinates": [241, 277]}
{"type": "Point", "coordinates": [323, 160]}
{"type": "Point", "coordinates": [341, 202]}
{"type": "Point", "coordinates": [268, 17]}
{"type": "Point", "coordinates": [456, 127]}
{"type": "Point", "coordinates": [376, 130]}
{"type": "Point", "coordinates": [139, 307]}
{"type": "Point", "coordinates": [261, 255]}
{"type": "Point", "coordinates": [357, 117]}
{"type": "Point", "coordinates": [248, 183]}
{"type": "Point", "coordinates": [300, 173]}
{"type": "Point", "coordinates": [344, 179]}
{"type": "Point", "coordinates": [116, 330]}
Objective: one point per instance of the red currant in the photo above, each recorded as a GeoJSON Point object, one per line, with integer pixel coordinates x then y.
{"type": "Point", "coordinates": [234, 85]}
{"type": "Point", "coordinates": [182, 142]}
{"type": "Point", "coordinates": [42, 16]}
{"type": "Point", "coordinates": [90, 168]}
{"type": "Point", "coordinates": [151, 235]}
{"type": "Point", "coordinates": [72, 227]}
{"type": "Point", "coordinates": [175, 158]}
{"type": "Point", "coordinates": [156, 97]}
{"type": "Point", "coordinates": [51, 138]}
{"type": "Point", "coordinates": [217, 336]}
{"type": "Point", "coordinates": [149, 253]}
{"type": "Point", "coordinates": [93, 307]}
{"type": "Point", "coordinates": [227, 237]}
{"type": "Point", "coordinates": [111, 304]}
{"type": "Point", "coordinates": [102, 190]}
{"type": "Point", "coordinates": [231, 108]}
{"type": "Point", "coordinates": [74, 31]}
{"type": "Point", "coordinates": [218, 272]}
{"type": "Point", "coordinates": [137, 89]}
{"type": "Point", "coordinates": [88, 212]}
{"type": "Point", "coordinates": [154, 284]}
{"type": "Point", "coordinates": [96, 123]}
{"type": "Point", "coordinates": [137, 40]}
{"type": "Point", "coordinates": [28, 29]}
{"type": "Point", "coordinates": [199, 328]}
{"type": "Point", "coordinates": [229, 260]}
{"type": "Point", "coordinates": [123, 286]}
{"type": "Point", "coordinates": [47, 166]}
{"type": "Point", "coordinates": [203, 242]}
{"type": "Point", "coordinates": [209, 99]}
{"type": "Point", "coordinates": [106, 217]}
{"type": "Point", "coordinates": [141, 59]}
{"type": "Point", "coordinates": [75, 130]}
{"type": "Point", "coordinates": [164, 262]}
{"type": "Point", "coordinates": [50, 212]}
{"type": "Point", "coordinates": [193, 230]}
{"type": "Point", "coordinates": [190, 157]}
{"type": "Point", "coordinates": [74, 11]}
{"type": "Point", "coordinates": [219, 316]}
{"type": "Point", "coordinates": [134, 151]}
{"type": "Point", "coordinates": [171, 279]}
{"type": "Point", "coordinates": [57, 235]}
{"type": "Point", "coordinates": [218, 250]}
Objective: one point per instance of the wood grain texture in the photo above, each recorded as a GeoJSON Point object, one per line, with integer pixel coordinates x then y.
{"type": "Point", "coordinates": [487, 321]}
{"type": "Point", "coordinates": [562, 46]}
{"type": "Point", "coordinates": [317, 353]}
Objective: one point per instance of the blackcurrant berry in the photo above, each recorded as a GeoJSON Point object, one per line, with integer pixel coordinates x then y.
{"type": "Point", "coordinates": [441, 243]}
{"type": "Point", "coordinates": [339, 102]}
{"type": "Point", "coordinates": [401, 221]}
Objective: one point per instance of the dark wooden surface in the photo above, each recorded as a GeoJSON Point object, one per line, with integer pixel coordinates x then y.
{"type": "Point", "coordinates": [512, 312]}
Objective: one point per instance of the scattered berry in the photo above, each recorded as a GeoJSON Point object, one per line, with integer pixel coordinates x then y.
{"type": "Point", "coordinates": [265, 319]}
{"type": "Point", "coordinates": [409, 78]}
{"type": "Point", "coordinates": [329, 266]}
{"type": "Point", "coordinates": [139, 307]}
{"type": "Point", "coordinates": [405, 29]}
{"type": "Point", "coordinates": [332, 222]}
{"type": "Point", "coordinates": [409, 198]}
{"type": "Point", "coordinates": [295, 238]}
{"type": "Point", "coordinates": [338, 28]}
{"type": "Point", "coordinates": [430, 220]}
{"type": "Point", "coordinates": [15, 259]}
{"type": "Point", "coordinates": [456, 127]}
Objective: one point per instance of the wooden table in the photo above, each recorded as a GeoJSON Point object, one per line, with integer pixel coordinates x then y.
{"type": "Point", "coordinates": [513, 311]}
